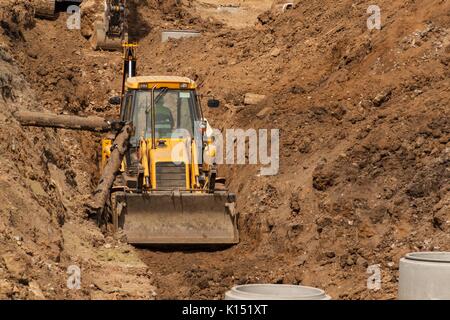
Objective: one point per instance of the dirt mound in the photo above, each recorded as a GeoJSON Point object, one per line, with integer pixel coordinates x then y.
{"type": "Point", "coordinates": [15, 16]}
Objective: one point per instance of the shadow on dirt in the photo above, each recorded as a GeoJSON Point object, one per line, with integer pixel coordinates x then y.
{"type": "Point", "coordinates": [138, 27]}
{"type": "Point", "coordinates": [184, 248]}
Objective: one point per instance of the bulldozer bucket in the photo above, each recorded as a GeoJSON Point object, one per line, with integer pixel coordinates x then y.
{"type": "Point", "coordinates": [179, 218]}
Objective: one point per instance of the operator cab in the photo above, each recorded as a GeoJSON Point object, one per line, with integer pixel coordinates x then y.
{"type": "Point", "coordinates": [176, 107]}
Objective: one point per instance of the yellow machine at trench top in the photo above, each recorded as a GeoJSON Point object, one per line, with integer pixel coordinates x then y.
{"type": "Point", "coordinates": [166, 193]}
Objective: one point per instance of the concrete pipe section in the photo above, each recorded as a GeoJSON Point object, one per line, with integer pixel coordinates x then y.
{"type": "Point", "coordinates": [275, 292]}
{"type": "Point", "coordinates": [178, 34]}
{"type": "Point", "coordinates": [425, 276]}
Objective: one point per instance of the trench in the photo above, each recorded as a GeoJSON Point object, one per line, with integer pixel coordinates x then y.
{"type": "Point", "coordinates": [364, 167]}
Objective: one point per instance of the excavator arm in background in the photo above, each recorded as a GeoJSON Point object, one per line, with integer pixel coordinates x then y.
{"type": "Point", "coordinates": [110, 33]}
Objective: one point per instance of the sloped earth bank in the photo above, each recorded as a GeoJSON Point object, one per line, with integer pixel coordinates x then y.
{"type": "Point", "coordinates": [46, 175]}
{"type": "Point", "coordinates": [364, 147]}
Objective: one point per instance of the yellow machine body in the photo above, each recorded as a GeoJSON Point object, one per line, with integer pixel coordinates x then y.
{"type": "Point", "coordinates": [168, 194]}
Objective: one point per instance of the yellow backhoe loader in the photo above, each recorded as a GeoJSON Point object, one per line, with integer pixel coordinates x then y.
{"type": "Point", "coordinates": [166, 193]}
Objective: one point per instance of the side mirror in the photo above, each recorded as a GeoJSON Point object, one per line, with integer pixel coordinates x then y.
{"type": "Point", "coordinates": [114, 100]}
{"type": "Point", "coordinates": [213, 103]}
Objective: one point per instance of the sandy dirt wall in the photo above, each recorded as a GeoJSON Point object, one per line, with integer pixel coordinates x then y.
{"type": "Point", "coordinates": [46, 175]}
{"type": "Point", "coordinates": [364, 144]}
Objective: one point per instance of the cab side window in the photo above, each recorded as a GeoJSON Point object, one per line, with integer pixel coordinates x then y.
{"type": "Point", "coordinates": [127, 108]}
{"type": "Point", "coordinates": [185, 120]}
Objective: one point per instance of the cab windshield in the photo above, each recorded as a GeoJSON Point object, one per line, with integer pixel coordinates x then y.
{"type": "Point", "coordinates": [174, 110]}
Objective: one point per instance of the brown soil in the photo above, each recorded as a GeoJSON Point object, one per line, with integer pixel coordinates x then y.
{"type": "Point", "coordinates": [364, 146]}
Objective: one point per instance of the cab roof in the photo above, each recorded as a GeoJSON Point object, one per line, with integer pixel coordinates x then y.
{"type": "Point", "coordinates": [148, 82]}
